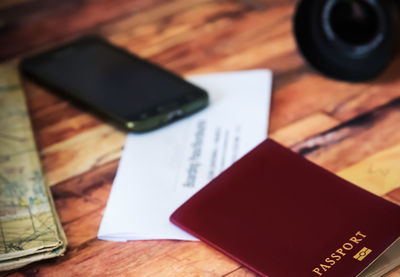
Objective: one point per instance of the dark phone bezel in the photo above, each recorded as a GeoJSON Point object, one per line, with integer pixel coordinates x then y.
{"type": "Point", "coordinates": [155, 117]}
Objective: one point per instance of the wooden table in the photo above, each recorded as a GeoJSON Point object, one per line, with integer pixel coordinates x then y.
{"type": "Point", "coordinates": [350, 129]}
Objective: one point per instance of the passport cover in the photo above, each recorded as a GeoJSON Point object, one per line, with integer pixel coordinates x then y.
{"type": "Point", "coordinates": [281, 215]}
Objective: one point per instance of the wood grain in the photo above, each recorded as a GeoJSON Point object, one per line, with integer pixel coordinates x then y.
{"type": "Point", "coordinates": [378, 173]}
{"type": "Point", "coordinates": [341, 126]}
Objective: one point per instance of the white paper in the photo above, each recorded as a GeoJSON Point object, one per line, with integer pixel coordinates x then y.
{"type": "Point", "coordinates": [160, 170]}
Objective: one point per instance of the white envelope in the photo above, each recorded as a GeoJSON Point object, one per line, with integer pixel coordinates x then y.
{"type": "Point", "coordinates": [160, 170]}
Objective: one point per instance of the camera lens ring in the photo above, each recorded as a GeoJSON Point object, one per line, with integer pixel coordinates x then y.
{"type": "Point", "coordinates": [359, 39]}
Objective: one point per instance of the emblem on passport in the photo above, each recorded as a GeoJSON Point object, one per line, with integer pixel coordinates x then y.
{"type": "Point", "coordinates": [362, 254]}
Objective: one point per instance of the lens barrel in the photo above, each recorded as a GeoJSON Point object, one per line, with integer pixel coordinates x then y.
{"type": "Point", "coordinates": [352, 40]}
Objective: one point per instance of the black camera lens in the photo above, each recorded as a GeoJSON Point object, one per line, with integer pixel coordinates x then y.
{"type": "Point", "coordinates": [351, 40]}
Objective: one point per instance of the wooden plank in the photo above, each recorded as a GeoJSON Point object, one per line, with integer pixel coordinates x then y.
{"type": "Point", "coordinates": [394, 195]}
{"type": "Point", "coordinates": [354, 140]}
{"type": "Point", "coordinates": [340, 100]}
{"type": "Point", "coordinates": [304, 128]}
{"type": "Point", "coordinates": [396, 273]}
{"type": "Point", "coordinates": [379, 92]}
{"type": "Point", "coordinates": [379, 173]}
{"type": "Point", "coordinates": [10, 3]}
{"type": "Point", "coordinates": [313, 93]}
{"type": "Point", "coordinates": [146, 258]}
{"type": "Point", "coordinates": [192, 259]}
{"type": "Point", "coordinates": [89, 191]}
{"type": "Point", "coordinates": [231, 34]}
{"type": "Point", "coordinates": [38, 98]}
{"type": "Point", "coordinates": [81, 153]}
{"type": "Point", "coordinates": [37, 23]}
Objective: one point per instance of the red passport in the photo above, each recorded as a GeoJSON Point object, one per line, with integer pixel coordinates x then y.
{"type": "Point", "coordinates": [281, 215]}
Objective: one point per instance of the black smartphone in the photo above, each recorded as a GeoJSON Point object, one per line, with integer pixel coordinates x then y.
{"type": "Point", "coordinates": [135, 93]}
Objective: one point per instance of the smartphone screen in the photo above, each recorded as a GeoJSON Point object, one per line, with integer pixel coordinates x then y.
{"type": "Point", "coordinates": [111, 80]}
